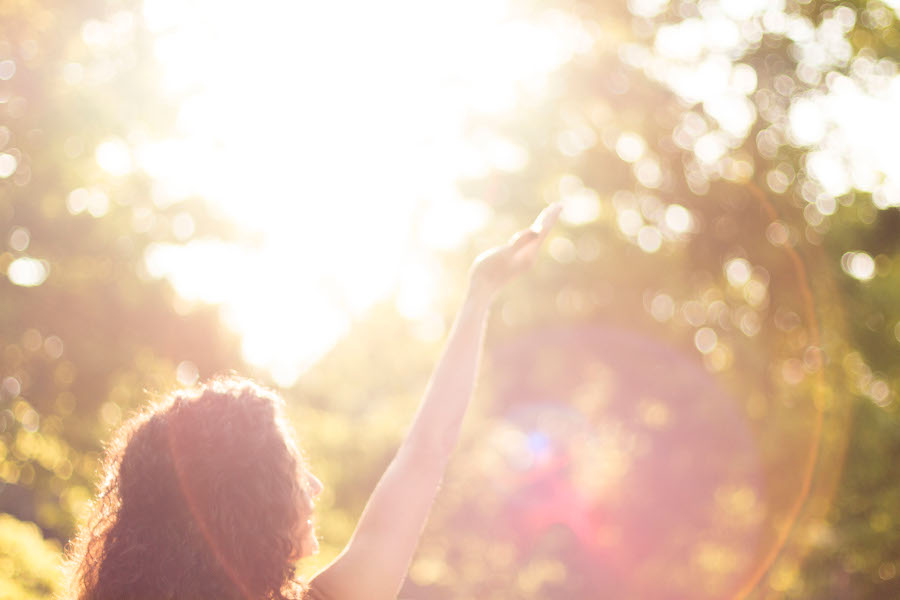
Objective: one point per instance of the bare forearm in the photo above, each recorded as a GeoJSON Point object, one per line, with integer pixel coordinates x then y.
{"type": "Point", "coordinates": [396, 513]}
{"type": "Point", "coordinates": [435, 428]}
{"type": "Point", "coordinates": [419, 464]}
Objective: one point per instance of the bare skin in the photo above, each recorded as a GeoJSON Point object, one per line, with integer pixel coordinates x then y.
{"type": "Point", "coordinates": [375, 561]}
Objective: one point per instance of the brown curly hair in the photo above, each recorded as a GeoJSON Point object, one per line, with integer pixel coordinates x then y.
{"type": "Point", "coordinates": [203, 495]}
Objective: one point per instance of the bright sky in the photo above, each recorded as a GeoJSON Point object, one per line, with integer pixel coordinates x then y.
{"type": "Point", "coordinates": [336, 131]}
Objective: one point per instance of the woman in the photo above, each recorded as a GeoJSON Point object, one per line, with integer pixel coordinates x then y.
{"type": "Point", "coordinates": [205, 495]}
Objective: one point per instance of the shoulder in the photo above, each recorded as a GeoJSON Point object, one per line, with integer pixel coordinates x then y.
{"type": "Point", "coordinates": [315, 592]}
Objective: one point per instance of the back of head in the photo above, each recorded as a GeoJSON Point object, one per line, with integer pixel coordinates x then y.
{"type": "Point", "coordinates": [202, 497]}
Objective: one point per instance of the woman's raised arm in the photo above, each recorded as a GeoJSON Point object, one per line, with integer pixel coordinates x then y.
{"type": "Point", "coordinates": [375, 561]}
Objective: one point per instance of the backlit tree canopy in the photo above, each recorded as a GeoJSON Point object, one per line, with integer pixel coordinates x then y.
{"type": "Point", "coordinates": [692, 396]}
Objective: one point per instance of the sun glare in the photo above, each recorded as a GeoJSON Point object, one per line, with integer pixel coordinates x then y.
{"type": "Point", "coordinates": [335, 133]}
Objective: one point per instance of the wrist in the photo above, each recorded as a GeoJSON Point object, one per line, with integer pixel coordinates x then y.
{"type": "Point", "coordinates": [478, 297]}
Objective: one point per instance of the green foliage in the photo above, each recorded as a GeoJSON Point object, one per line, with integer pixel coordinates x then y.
{"type": "Point", "coordinates": [81, 346]}
{"type": "Point", "coordinates": [798, 341]}
{"type": "Point", "coordinates": [29, 564]}
{"type": "Point", "coordinates": [614, 448]}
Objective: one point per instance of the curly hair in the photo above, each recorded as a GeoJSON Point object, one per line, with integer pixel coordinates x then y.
{"type": "Point", "coordinates": [203, 495]}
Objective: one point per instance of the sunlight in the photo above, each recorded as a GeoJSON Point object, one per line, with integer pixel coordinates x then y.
{"type": "Point", "coordinates": [275, 103]}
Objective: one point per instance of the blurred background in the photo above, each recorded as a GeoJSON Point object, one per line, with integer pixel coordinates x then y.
{"type": "Point", "coordinates": [694, 393]}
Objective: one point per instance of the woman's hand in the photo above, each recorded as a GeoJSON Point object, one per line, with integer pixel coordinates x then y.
{"type": "Point", "coordinates": [496, 267]}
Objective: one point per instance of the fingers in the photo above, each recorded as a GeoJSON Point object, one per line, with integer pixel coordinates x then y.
{"type": "Point", "coordinates": [526, 242]}
{"type": "Point", "coordinates": [546, 220]}
{"type": "Point", "coordinates": [523, 239]}
{"type": "Point", "coordinates": [498, 265]}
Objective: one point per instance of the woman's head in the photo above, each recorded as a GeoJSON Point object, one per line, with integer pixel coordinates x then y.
{"type": "Point", "coordinates": [204, 495]}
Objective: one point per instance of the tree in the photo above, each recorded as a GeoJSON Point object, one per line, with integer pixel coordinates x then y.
{"type": "Point", "coordinates": [84, 328]}
{"type": "Point", "coordinates": [669, 407]}
{"type": "Point", "coordinates": [693, 396]}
